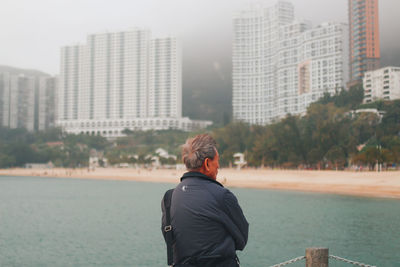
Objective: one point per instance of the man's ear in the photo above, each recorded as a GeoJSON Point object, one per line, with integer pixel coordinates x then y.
{"type": "Point", "coordinates": [206, 165]}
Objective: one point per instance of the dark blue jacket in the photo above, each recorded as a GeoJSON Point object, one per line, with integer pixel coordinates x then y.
{"type": "Point", "coordinates": [207, 222]}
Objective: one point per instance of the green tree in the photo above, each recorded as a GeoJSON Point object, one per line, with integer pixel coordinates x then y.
{"type": "Point", "coordinates": [233, 138]}
{"type": "Point", "coordinates": [7, 161]}
{"type": "Point", "coordinates": [336, 157]}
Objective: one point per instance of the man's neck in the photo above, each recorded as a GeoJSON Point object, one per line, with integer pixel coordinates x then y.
{"type": "Point", "coordinates": [201, 170]}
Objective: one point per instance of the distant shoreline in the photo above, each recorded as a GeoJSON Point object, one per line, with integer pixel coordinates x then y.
{"type": "Point", "coordinates": [368, 184]}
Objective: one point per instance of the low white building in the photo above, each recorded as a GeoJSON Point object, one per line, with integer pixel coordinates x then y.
{"type": "Point", "coordinates": [164, 154]}
{"type": "Point", "coordinates": [111, 128]}
{"type": "Point", "coordinates": [382, 83]}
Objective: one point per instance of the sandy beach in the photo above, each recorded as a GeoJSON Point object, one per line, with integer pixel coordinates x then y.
{"type": "Point", "coordinates": [369, 184]}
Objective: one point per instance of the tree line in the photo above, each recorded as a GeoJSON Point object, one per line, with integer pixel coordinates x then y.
{"type": "Point", "coordinates": [329, 135]}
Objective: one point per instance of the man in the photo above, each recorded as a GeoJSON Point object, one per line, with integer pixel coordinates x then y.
{"type": "Point", "coordinates": [207, 222]}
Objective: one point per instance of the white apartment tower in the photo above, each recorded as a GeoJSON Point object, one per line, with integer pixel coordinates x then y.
{"type": "Point", "coordinates": [281, 65]}
{"type": "Point", "coordinates": [382, 84]}
{"type": "Point", "coordinates": [165, 77]}
{"type": "Point", "coordinates": [122, 80]}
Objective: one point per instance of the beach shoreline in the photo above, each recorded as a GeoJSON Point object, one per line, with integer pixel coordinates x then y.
{"type": "Point", "coordinates": [367, 184]}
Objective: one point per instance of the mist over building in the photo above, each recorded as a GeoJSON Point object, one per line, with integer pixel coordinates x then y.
{"type": "Point", "coordinates": [27, 101]}
{"type": "Point", "coordinates": [282, 64]}
{"type": "Point", "coordinates": [122, 80]}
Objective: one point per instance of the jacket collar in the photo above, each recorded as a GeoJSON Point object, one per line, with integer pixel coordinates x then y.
{"type": "Point", "coordinates": [200, 176]}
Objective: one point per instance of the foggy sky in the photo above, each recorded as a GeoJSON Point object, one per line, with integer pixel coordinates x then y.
{"type": "Point", "coordinates": [32, 31]}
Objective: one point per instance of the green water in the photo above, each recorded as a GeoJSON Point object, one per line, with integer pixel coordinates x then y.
{"type": "Point", "coordinates": [68, 222]}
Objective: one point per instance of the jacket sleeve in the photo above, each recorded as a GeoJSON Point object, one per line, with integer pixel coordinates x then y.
{"type": "Point", "coordinates": [241, 231]}
{"type": "Point", "coordinates": [163, 219]}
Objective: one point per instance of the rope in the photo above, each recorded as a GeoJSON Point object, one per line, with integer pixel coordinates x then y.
{"type": "Point", "coordinates": [330, 256]}
{"type": "Point", "coordinates": [350, 261]}
{"type": "Point", "coordinates": [289, 261]}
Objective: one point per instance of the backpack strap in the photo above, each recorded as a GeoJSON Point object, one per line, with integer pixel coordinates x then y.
{"type": "Point", "coordinates": [168, 227]}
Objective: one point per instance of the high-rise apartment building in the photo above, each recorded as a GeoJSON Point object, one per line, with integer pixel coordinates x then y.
{"type": "Point", "coordinates": [165, 78]}
{"type": "Point", "coordinates": [27, 101]}
{"type": "Point", "coordinates": [382, 84]}
{"type": "Point", "coordinates": [18, 101]}
{"type": "Point", "coordinates": [46, 103]}
{"type": "Point", "coordinates": [281, 65]}
{"type": "Point", "coordinates": [364, 37]}
{"type": "Point", "coordinates": [122, 80]}
{"type": "Point", "coordinates": [2, 100]}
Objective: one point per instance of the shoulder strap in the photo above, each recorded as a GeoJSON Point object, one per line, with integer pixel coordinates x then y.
{"type": "Point", "coordinates": [168, 227]}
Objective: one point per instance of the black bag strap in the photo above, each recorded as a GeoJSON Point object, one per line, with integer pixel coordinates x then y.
{"type": "Point", "coordinates": [168, 227]}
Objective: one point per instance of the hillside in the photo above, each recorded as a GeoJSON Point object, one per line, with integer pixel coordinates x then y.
{"type": "Point", "coordinates": [28, 72]}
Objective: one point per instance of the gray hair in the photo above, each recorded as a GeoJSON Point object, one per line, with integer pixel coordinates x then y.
{"type": "Point", "coordinates": [197, 149]}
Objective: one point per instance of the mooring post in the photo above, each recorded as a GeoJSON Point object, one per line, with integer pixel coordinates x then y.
{"type": "Point", "coordinates": [317, 257]}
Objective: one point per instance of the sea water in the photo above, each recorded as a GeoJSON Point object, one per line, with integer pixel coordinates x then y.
{"type": "Point", "coordinates": [74, 222]}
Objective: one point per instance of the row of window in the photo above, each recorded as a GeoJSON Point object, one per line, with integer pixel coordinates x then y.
{"type": "Point", "coordinates": [123, 123]}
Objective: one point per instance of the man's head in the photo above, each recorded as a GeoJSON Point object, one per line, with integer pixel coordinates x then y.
{"type": "Point", "coordinates": [200, 154]}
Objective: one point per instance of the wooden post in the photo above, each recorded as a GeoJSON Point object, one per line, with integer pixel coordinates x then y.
{"type": "Point", "coordinates": [317, 257]}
